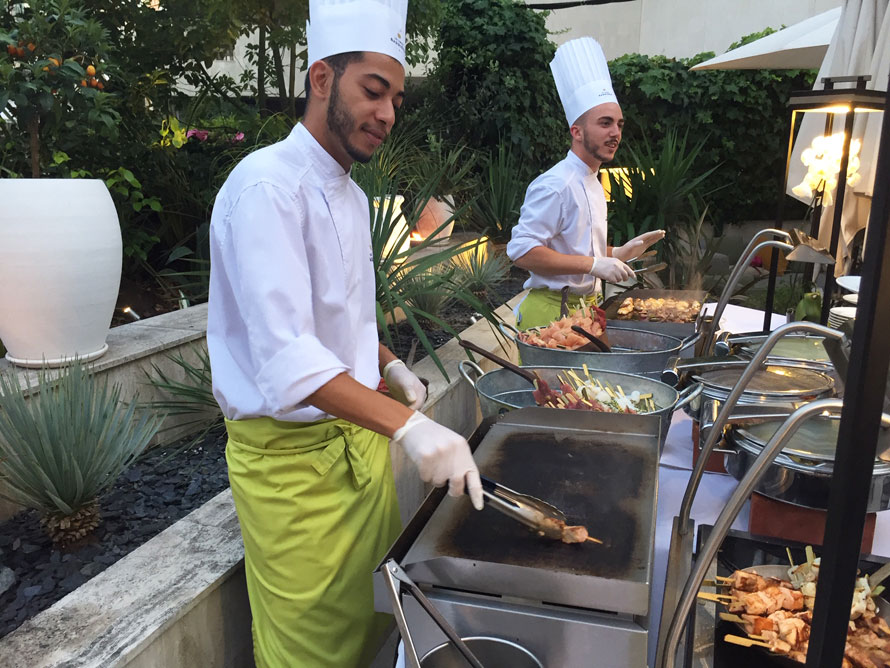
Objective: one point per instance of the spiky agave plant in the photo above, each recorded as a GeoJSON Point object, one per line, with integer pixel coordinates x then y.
{"type": "Point", "coordinates": [64, 443]}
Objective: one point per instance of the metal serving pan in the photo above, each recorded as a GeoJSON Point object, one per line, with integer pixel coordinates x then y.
{"type": "Point", "coordinates": [679, 329]}
{"type": "Point", "coordinates": [635, 351]}
{"type": "Point", "coordinates": [502, 390]}
{"type": "Point", "coordinates": [801, 473]}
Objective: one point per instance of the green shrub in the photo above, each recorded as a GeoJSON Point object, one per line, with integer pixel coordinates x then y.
{"type": "Point", "coordinates": [499, 194]}
{"type": "Point", "coordinates": [491, 82]}
{"type": "Point", "coordinates": [742, 113]}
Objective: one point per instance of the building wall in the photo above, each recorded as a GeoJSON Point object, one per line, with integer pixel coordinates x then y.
{"type": "Point", "coordinates": [678, 28]}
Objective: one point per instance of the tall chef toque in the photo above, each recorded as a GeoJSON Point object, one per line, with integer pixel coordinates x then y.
{"type": "Point", "coordinates": [582, 77]}
{"type": "Point", "coordinates": [341, 26]}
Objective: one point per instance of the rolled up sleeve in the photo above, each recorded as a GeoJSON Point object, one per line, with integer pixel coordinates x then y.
{"type": "Point", "coordinates": [267, 264]}
{"type": "Point", "coordinates": [539, 220]}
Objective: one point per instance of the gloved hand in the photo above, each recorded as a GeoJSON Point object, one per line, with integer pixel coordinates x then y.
{"type": "Point", "coordinates": [637, 245]}
{"type": "Point", "coordinates": [610, 269]}
{"type": "Point", "coordinates": [403, 385]}
{"type": "Point", "coordinates": [441, 456]}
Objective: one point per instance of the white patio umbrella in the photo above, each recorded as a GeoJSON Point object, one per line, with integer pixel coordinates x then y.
{"type": "Point", "coordinates": [861, 45]}
{"type": "Point", "coordinates": [799, 46]}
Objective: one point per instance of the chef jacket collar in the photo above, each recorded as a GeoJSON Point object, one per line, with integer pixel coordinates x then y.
{"type": "Point", "coordinates": [327, 167]}
{"type": "Point", "coordinates": [579, 165]}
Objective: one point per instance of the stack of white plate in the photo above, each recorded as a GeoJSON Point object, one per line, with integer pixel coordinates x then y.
{"type": "Point", "coordinates": [838, 315]}
{"type": "Point", "coordinates": [850, 283]}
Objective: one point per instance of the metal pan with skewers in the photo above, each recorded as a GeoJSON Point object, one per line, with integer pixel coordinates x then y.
{"type": "Point", "coordinates": [503, 390]}
{"type": "Point", "coordinates": [771, 606]}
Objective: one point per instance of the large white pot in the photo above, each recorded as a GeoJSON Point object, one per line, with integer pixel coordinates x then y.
{"type": "Point", "coordinates": [60, 269]}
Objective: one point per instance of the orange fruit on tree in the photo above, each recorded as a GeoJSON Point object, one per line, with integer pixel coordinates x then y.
{"type": "Point", "coordinates": [91, 71]}
{"type": "Point", "coordinates": [31, 46]}
{"type": "Point", "coordinates": [10, 49]}
{"type": "Point", "coordinates": [54, 61]}
{"type": "Point", "coordinates": [45, 69]}
{"type": "Point", "coordinates": [83, 83]}
{"type": "Point", "coordinates": [100, 86]}
{"type": "Point", "coordinates": [20, 52]}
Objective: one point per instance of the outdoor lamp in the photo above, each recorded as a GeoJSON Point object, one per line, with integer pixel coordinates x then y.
{"type": "Point", "coordinates": [822, 176]}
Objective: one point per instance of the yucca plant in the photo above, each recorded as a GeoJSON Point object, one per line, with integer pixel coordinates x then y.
{"type": "Point", "coordinates": [428, 292]}
{"type": "Point", "coordinates": [190, 397]}
{"type": "Point", "coordinates": [478, 269]}
{"type": "Point", "coordinates": [662, 189]}
{"type": "Point", "coordinates": [496, 209]}
{"type": "Point", "coordinates": [397, 271]}
{"type": "Point", "coordinates": [62, 446]}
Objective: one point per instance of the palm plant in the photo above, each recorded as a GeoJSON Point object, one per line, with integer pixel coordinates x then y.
{"type": "Point", "coordinates": [479, 270]}
{"type": "Point", "coordinates": [399, 267]}
{"type": "Point", "coordinates": [190, 397]}
{"type": "Point", "coordinates": [62, 446]}
{"type": "Point", "coordinates": [496, 209]}
{"type": "Point", "coordinates": [661, 189]}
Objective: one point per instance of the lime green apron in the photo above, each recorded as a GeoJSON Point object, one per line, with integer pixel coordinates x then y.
{"type": "Point", "coordinates": [318, 510]}
{"type": "Point", "coordinates": [541, 307]}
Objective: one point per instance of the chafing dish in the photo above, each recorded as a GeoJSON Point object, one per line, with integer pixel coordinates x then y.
{"type": "Point", "coordinates": [567, 605]}
{"type": "Point", "coordinates": [635, 351]}
{"type": "Point", "coordinates": [801, 473]}
{"type": "Point", "coordinates": [501, 390]}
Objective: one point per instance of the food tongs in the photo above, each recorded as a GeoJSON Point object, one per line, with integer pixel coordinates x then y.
{"type": "Point", "coordinates": [544, 518]}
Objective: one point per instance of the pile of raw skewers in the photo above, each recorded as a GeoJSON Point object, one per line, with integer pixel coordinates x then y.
{"type": "Point", "coordinates": [777, 614]}
{"type": "Point", "coordinates": [559, 333]}
{"type": "Point", "coordinates": [590, 394]}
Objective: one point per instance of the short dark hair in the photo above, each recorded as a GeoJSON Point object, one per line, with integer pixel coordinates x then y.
{"type": "Point", "coordinates": [338, 62]}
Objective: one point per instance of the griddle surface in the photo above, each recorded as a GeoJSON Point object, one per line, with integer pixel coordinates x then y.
{"type": "Point", "coordinates": [604, 480]}
{"type": "Point", "coordinates": [597, 486]}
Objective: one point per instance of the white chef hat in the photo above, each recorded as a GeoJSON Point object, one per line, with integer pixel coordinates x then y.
{"type": "Point", "coordinates": [582, 77]}
{"type": "Point", "coordinates": [341, 26]}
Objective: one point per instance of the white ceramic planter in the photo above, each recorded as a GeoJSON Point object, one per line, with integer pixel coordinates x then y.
{"type": "Point", "coordinates": [60, 269]}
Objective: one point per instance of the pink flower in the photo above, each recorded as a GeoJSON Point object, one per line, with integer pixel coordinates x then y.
{"type": "Point", "coordinates": [238, 137]}
{"type": "Point", "coordinates": [202, 135]}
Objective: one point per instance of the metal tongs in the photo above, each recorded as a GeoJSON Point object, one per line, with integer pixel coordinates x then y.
{"type": "Point", "coordinates": [544, 518]}
{"type": "Point", "coordinates": [397, 581]}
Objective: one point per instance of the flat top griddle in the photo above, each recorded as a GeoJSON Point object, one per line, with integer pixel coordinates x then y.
{"type": "Point", "coordinates": [600, 472]}
{"type": "Point", "coordinates": [681, 329]}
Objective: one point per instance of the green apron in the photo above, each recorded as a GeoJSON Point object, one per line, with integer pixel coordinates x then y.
{"type": "Point", "coordinates": [318, 510]}
{"type": "Point", "coordinates": [541, 307]}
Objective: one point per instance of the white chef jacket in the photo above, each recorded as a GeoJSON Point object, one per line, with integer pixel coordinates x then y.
{"type": "Point", "coordinates": [291, 282]}
{"type": "Point", "coordinates": [564, 209]}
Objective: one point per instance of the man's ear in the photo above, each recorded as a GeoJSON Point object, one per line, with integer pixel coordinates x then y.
{"type": "Point", "coordinates": [576, 132]}
{"type": "Point", "coordinates": [321, 76]}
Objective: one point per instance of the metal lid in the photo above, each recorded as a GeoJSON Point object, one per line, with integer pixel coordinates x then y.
{"type": "Point", "coordinates": [807, 348]}
{"type": "Point", "coordinates": [815, 439]}
{"type": "Point", "coordinates": [771, 381]}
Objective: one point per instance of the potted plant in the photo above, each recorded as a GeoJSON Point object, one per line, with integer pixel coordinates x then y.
{"type": "Point", "coordinates": [60, 240]}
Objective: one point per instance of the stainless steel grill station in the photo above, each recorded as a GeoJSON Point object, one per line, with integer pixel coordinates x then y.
{"type": "Point", "coordinates": [568, 605]}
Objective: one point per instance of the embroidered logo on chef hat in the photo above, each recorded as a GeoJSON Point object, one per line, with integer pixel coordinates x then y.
{"type": "Point", "coordinates": [341, 26]}
{"type": "Point", "coordinates": [582, 77]}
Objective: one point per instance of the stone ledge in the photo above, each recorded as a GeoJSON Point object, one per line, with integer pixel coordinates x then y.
{"type": "Point", "coordinates": [179, 600]}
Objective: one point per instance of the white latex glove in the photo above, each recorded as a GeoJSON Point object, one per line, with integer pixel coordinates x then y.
{"type": "Point", "coordinates": [637, 245]}
{"type": "Point", "coordinates": [403, 385]}
{"type": "Point", "coordinates": [610, 269]}
{"type": "Point", "coordinates": [441, 456]}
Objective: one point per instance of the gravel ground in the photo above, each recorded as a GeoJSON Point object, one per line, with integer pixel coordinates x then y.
{"type": "Point", "coordinates": [162, 487]}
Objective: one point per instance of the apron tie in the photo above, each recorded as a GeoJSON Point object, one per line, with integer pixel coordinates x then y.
{"type": "Point", "coordinates": [358, 467]}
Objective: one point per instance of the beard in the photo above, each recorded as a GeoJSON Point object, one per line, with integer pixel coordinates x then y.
{"type": "Point", "coordinates": [599, 151]}
{"type": "Point", "coordinates": [341, 124]}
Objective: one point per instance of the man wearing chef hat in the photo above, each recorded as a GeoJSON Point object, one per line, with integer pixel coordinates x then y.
{"type": "Point", "coordinates": [296, 361]}
{"type": "Point", "coordinates": [561, 235]}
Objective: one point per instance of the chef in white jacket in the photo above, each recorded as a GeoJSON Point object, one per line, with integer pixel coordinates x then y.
{"type": "Point", "coordinates": [296, 359]}
{"type": "Point", "coordinates": [561, 235]}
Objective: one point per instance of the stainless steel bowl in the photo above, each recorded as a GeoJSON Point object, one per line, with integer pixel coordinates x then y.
{"type": "Point", "coordinates": [489, 651]}
{"type": "Point", "coordinates": [501, 390]}
{"type": "Point", "coordinates": [635, 351]}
